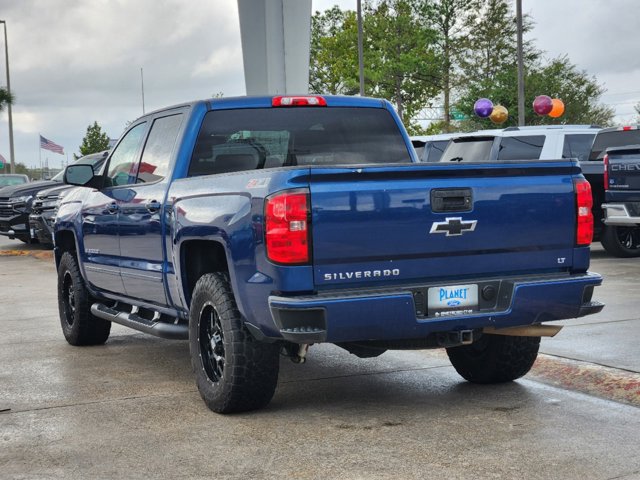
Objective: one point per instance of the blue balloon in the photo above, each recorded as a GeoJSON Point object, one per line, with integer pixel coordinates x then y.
{"type": "Point", "coordinates": [483, 107]}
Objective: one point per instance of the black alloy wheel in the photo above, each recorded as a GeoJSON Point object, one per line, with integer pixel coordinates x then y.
{"type": "Point", "coordinates": [622, 242]}
{"type": "Point", "coordinates": [211, 342]}
{"type": "Point", "coordinates": [79, 325]}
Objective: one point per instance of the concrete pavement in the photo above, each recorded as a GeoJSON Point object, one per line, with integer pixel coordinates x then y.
{"type": "Point", "coordinates": [130, 409]}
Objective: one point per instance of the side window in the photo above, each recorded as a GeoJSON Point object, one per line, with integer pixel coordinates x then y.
{"type": "Point", "coordinates": [123, 162]}
{"type": "Point", "coordinates": [577, 146]}
{"type": "Point", "coordinates": [521, 148]}
{"type": "Point", "coordinates": [158, 149]}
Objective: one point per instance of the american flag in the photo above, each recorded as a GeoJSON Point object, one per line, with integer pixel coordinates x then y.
{"type": "Point", "coordinates": [49, 145]}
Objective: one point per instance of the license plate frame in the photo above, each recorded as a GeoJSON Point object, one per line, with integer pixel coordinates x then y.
{"type": "Point", "coordinates": [452, 300]}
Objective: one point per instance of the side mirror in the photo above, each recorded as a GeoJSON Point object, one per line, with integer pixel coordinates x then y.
{"type": "Point", "coordinates": [79, 175]}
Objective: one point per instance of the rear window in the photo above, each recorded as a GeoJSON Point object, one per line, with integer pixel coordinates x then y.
{"type": "Point", "coordinates": [434, 150]}
{"type": "Point", "coordinates": [248, 139]}
{"type": "Point", "coordinates": [468, 149]}
{"type": "Point", "coordinates": [577, 146]}
{"type": "Point", "coordinates": [521, 148]}
{"type": "Point", "coordinates": [618, 138]}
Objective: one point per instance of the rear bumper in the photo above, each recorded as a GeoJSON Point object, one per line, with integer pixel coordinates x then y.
{"type": "Point", "coordinates": [391, 314]}
{"type": "Point", "coordinates": [620, 214]}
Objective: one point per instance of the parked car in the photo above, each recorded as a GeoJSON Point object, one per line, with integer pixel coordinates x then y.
{"type": "Point", "coordinates": [257, 226]}
{"type": "Point", "coordinates": [10, 179]}
{"type": "Point", "coordinates": [543, 142]}
{"type": "Point", "coordinates": [616, 187]}
{"type": "Point", "coordinates": [15, 207]}
{"type": "Point", "coordinates": [44, 206]}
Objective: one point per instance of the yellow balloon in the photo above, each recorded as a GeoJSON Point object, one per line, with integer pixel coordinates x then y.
{"type": "Point", "coordinates": [499, 114]}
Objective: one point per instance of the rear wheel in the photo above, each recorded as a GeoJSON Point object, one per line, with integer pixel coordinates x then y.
{"type": "Point", "coordinates": [79, 326]}
{"type": "Point", "coordinates": [623, 242]}
{"type": "Point", "coordinates": [495, 358]}
{"type": "Point", "coordinates": [234, 371]}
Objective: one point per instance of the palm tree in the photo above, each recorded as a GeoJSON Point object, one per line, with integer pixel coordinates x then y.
{"type": "Point", "coordinates": [6, 98]}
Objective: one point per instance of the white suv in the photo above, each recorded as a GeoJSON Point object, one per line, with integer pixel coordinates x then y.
{"type": "Point", "coordinates": [522, 143]}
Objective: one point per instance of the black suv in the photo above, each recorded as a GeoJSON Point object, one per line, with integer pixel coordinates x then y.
{"type": "Point", "coordinates": [15, 205]}
{"type": "Point", "coordinates": [44, 206]}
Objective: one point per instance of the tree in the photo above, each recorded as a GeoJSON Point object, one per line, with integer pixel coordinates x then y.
{"type": "Point", "coordinates": [94, 141]}
{"type": "Point", "coordinates": [333, 66]}
{"type": "Point", "coordinates": [490, 71]}
{"type": "Point", "coordinates": [6, 98]}
{"type": "Point", "coordinates": [578, 90]}
{"type": "Point", "coordinates": [399, 55]}
{"type": "Point", "coordinates": [450, 19]}
{"type": "Point", "coordinates": [637, 109]}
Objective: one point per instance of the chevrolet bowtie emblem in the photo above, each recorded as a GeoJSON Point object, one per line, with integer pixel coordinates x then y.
{"type": "Point", "coordinates": [453, 226]}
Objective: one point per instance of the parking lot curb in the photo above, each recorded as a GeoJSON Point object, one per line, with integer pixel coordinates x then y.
{"type": "Point", "coordinates": [598, 380]}
{"type": "Point", "coordinates": [39, 254]}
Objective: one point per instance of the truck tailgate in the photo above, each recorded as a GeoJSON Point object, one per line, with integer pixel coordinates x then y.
{"type": "Point", "coordinates": [623, 165]}
{"type": "Point", "coordinates": [422, 222]}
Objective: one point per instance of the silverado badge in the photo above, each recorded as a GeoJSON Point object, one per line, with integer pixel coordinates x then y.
{"type": "Point", "coordinates": [453, 226]}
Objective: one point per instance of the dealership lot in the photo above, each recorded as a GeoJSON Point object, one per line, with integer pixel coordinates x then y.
{"type": "Point", "coordinates": [130, 409]}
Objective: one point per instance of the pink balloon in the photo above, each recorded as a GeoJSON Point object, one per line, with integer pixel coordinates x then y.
{"type": "Point", "coordinates": [542, 104]}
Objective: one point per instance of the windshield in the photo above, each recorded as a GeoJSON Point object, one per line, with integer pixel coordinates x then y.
{"type": "Point", "coordinates": [247, 139]}
{"type": "Point", "coordinates": [577, 146]}
{"type": "Point", "coordinates": [618, 138]}
{"type": "Point", "coordinates": [468, 149]}
{"type": "Point", "coordinates": [8, 180]}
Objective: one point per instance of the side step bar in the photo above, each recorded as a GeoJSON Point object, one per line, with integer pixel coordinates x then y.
{"type": "Point", "coordinates": [171, 331]}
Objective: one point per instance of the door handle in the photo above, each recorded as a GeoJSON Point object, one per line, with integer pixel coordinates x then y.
{"type": "Point", "coordinates": [153, 206]}
{"type": "Point", "coordinates": [112, 208]}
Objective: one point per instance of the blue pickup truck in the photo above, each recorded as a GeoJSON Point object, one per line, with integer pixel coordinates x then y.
{"type": "Point", "coordinates": [255, 227]}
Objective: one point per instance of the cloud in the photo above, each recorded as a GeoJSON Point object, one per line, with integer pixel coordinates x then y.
{"type": "Point", "coordinates": [74, 62]}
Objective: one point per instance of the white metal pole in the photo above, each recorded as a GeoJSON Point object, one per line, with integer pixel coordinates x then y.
{"type": "Point", "coordinates": [6, 56]}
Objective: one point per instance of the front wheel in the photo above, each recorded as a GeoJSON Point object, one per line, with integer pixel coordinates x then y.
{"type": "Point", "coordinates": [495, 358]}
{"type": "Point", "coordinates": [622, 242]}
{"type": "Point", "coordinates": [234, 371]}
{"type": "Point", "coordinates": [79, 326]}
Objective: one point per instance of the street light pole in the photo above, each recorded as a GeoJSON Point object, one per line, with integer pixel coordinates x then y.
{"type": "Point", "coordinates": [6, 56]}
{"type": "Point", "coordinates": [520, 64]}
{"type": "Point", "coordinates": [360, 54]}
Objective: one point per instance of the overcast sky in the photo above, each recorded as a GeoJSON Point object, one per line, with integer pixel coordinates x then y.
{"type": "Point", "coordinates": [74, 62]}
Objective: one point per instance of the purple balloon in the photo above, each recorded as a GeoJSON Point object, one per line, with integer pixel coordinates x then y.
{"type": "Point", "coordinates": [542, 104]}
{"type": "Point", "coordinates": [483, 107]}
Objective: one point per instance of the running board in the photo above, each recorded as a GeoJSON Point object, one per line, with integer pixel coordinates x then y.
{"type": "Point", "coordinates": [171, 331]}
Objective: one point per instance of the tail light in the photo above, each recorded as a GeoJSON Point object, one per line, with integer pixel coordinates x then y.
{"type": "Point", "coordinates": [606, 171]}
{"type": "Point", "coordinates": [287, 227]}
{"type": "Point", "coordinates": [584, 217]}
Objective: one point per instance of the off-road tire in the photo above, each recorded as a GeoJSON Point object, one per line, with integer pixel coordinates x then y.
{"type": "Point", "coordinates": [621, 242]}
{"type": "Point", "coordinates": [79, 326]}
{"type": "Point", "coordinates": [495, 358]}
{"type": "Point", "coordinates": [234, 371]}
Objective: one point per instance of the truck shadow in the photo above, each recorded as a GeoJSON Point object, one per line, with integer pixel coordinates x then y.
{"type": "Point", "coordinates": [331, 381]}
